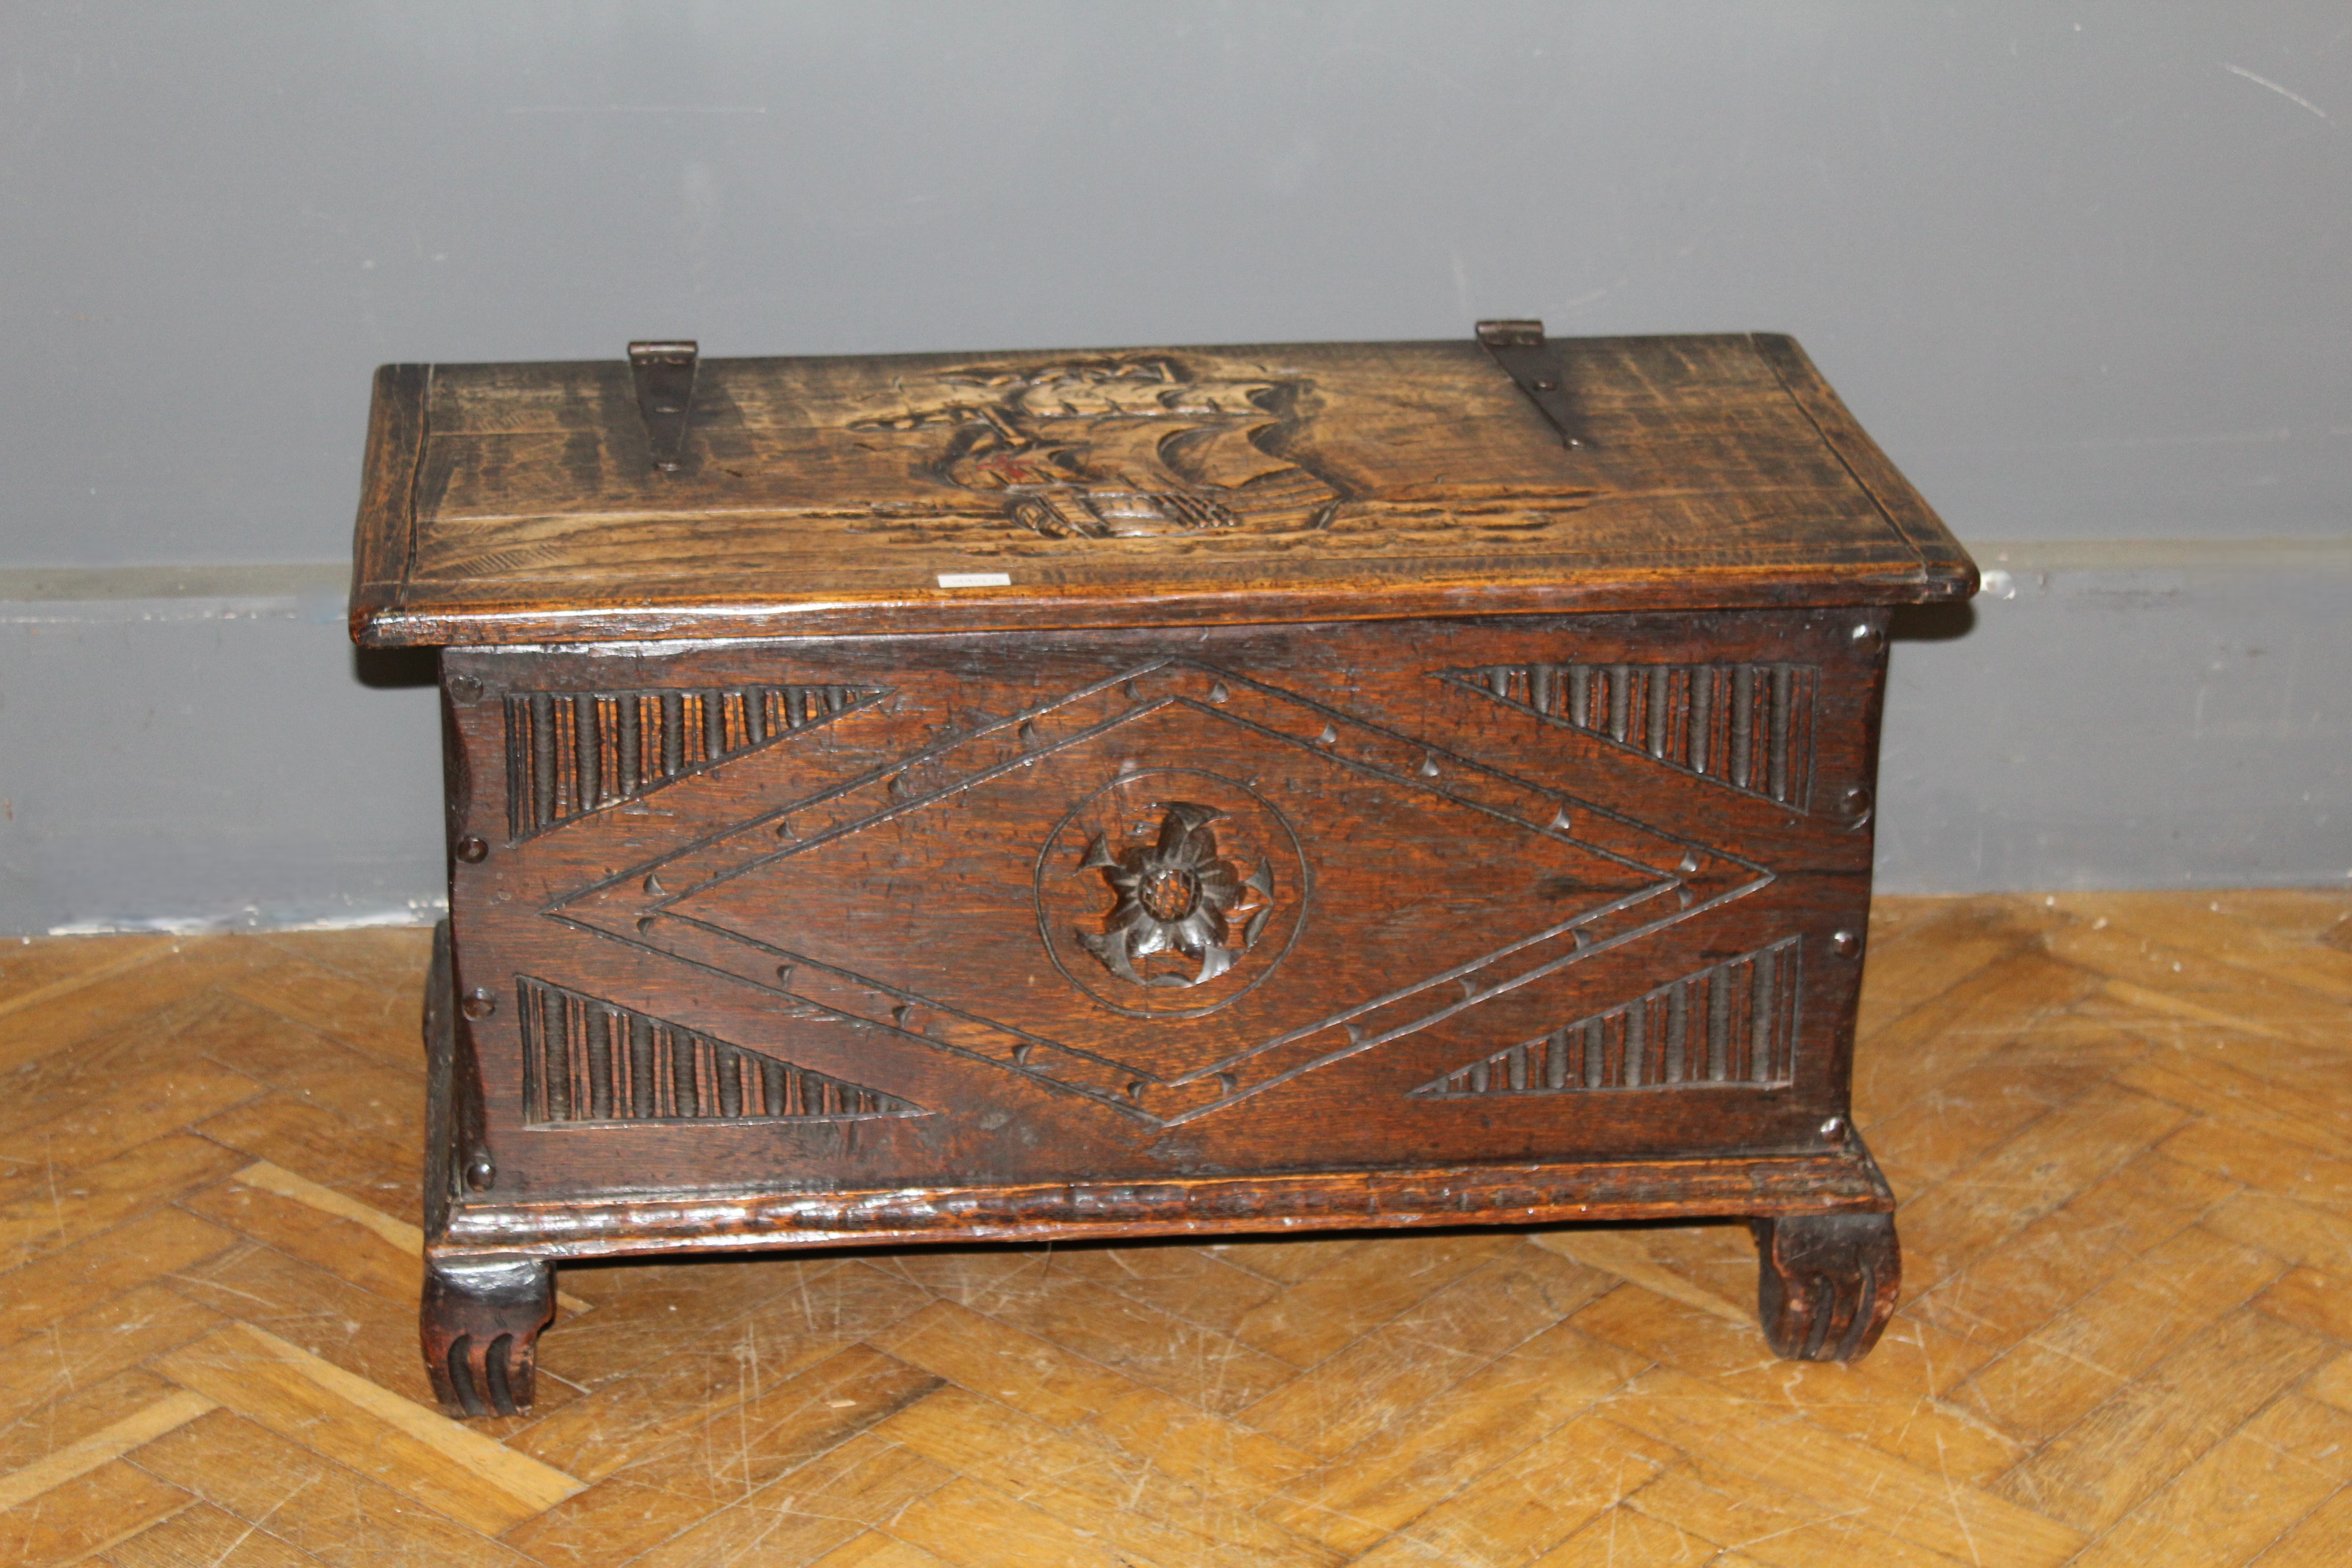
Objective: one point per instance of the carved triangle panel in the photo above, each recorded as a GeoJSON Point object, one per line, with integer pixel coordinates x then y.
{"type": "Point", "coordinates": [1732, 1023]}
{"type": "Point", "coordinates": [1746, 726]}
{"type": "Point", "coordinates": [585, 1059]}
{"type": "Point", "coordinates": [572, 753]}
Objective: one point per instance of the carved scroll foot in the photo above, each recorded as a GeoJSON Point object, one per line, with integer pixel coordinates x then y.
{"type": "Point", "coordinates": [1826, 1283]}
{"type": "Point", "coordinates": [480, 1320]}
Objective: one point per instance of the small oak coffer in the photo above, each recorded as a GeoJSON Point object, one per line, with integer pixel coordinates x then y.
{"type": "Point", "coordinates": [1147, 792]}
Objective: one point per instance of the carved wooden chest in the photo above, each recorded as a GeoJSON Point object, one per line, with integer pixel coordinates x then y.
{"type": "Point", "coordinates": [1165, 791]}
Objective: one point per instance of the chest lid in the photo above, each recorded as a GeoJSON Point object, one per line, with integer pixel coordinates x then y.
{"type": "Point", "coordinates": [668, 496]}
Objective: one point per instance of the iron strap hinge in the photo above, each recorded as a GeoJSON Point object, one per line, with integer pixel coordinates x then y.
{"type": "Point", "coordinates": [665, 376]}
{"type": "Point", "coordinates": [1519, 348]}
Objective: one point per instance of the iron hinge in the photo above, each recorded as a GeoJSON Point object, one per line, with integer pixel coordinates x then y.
{"type": "Point", "coordinates": [665, 376]}
{"type": "Point", "coordinates": [1519, 348]}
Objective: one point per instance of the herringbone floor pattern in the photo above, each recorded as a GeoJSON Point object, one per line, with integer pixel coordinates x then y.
{"type": "Point", "coordinates": [2122, 1126]}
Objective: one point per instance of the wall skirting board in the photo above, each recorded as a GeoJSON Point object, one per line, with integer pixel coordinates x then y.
{"type": "Point", "coordinates": [194, 748]}
{"type": "Point", "coordinates": [191, 749]}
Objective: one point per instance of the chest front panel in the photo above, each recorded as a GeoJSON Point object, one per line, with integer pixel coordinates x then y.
{"type": "Point", "coordinates": [1119, 906]}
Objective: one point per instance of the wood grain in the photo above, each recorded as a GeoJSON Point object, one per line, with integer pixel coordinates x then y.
{"type": "Point", "coordinates": [368, 1428]}
{"type": "Point", "coordinates": [519, 502]}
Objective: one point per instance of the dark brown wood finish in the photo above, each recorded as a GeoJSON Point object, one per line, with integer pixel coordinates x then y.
{"type": "Point", "coordinates": [1451, 873]}
{"type": "Point", "coordinates": [1131, 486]}
{"type": "Point", "coordinates": [385, 543]}
{"type": "Point", "coordinates": [910, 932]}
{"type": "Point", "coordinates": [1827, 1283]}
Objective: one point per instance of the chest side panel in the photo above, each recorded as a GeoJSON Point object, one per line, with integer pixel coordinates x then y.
{"type": "Point", "coordinates": [859, 912]}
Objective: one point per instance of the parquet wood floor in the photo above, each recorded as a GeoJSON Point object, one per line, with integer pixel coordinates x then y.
{"type": "Point", "coordinates": [2121, 1125]}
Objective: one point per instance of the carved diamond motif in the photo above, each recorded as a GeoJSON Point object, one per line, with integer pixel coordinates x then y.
{"type": "Point", "coordinates": [1200, 880]}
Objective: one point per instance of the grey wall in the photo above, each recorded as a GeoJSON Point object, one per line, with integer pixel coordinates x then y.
{"type": "Point", "coordinates": [2080, 267]}
{"type": "Point", "coordinates": [2147, 713]}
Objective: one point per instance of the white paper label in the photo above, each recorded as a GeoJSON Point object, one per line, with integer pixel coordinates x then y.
{"type": "Point", "coordinates": [975, 580]}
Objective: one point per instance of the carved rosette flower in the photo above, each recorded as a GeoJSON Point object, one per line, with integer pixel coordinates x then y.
{"type": "Point", "coordinates": [1177, 895]}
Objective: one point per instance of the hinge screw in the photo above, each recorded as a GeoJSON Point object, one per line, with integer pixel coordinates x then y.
{"type": "Point", "coordinates": [481, 1002]}
{"type": "Point", "coordinates": [472, 850]}
{"type": "Point", "coordinates": [1846, 943]}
